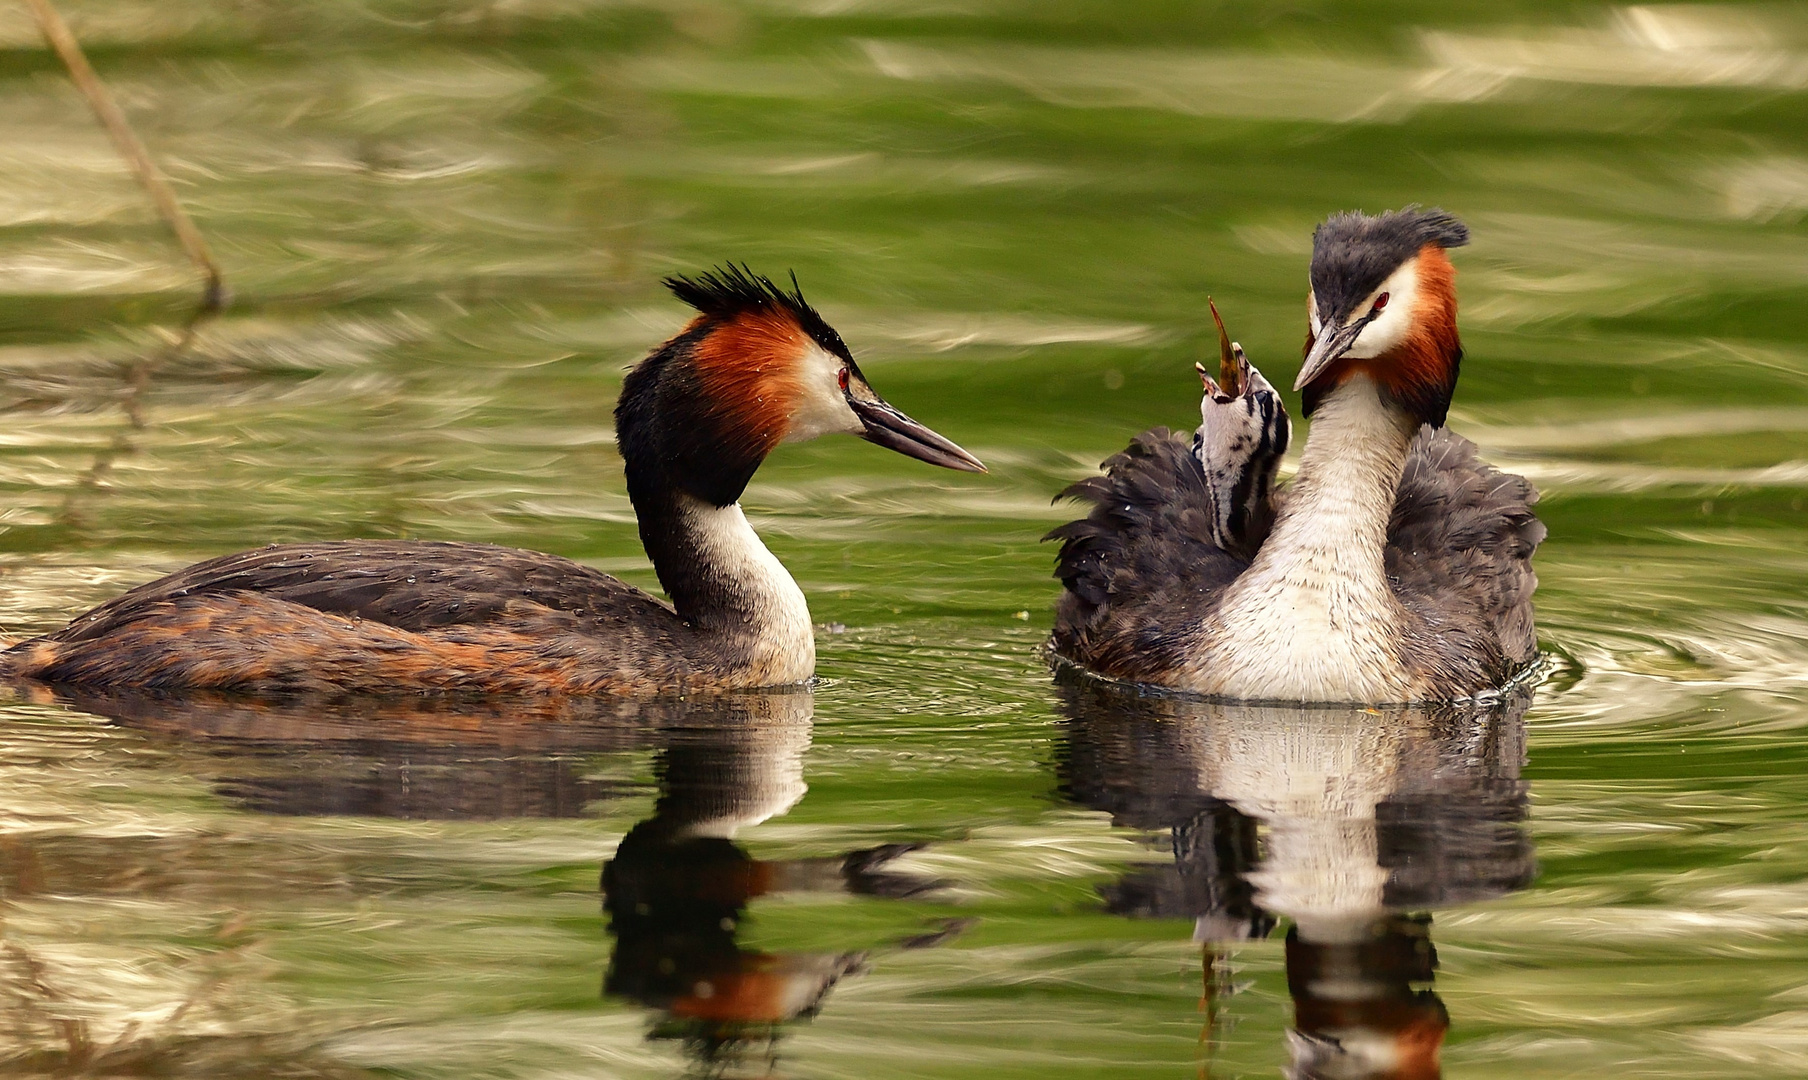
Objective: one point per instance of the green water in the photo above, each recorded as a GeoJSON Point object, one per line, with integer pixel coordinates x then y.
{"type": "Point", "coordinates": [443, 225]}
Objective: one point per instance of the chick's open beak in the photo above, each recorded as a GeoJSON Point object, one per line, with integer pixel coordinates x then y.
{"type": "Point", "coordinates": [893, 430]}
{"type": "Point", "coordinates": [1210, 384]}
{"type": "Point", "coordinates": [1233, 366]}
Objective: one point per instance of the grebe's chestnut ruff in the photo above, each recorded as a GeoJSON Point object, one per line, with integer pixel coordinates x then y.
{"type": "Point", "coordinates": [1395, 568]}
{"type": "Point", "coordinates": [757, 366]}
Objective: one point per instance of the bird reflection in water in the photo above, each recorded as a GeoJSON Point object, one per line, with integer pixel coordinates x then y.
{"type": "Point", "coordinates": [1352, 824]}
{"type": "Point", "coordinates": [679, 887]}
{"type": "Point", "coordinates": [418, 758]}
{"type": "Point", "coordinates": [677, 891]}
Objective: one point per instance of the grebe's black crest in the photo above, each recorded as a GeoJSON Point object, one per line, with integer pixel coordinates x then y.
{"type": "Point", "coordinates": [729, 291]}
{"type": "Point", "coordinates": [1353, 253]}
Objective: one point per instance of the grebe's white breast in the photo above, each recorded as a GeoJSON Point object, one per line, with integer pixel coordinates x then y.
{"type": "Point", "coordinates": [1313, 618]}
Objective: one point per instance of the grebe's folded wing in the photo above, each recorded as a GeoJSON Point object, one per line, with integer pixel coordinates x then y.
{"type": "Point", "coordinates": [1459, 556]}
{"type": "Point", "coordinates": [410, 585]}
{"type": "Point", "coordinates": [1140, 569]}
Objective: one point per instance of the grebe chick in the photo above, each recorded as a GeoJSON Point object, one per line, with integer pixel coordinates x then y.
{"type": "Point", "coordinates": [756, 367]}
{"type": "Point", "coordinates": [1398, 564]}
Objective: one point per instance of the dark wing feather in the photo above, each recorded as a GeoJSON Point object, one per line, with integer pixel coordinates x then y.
{"type": "Point", "coordinates": [1459, 556]}
{"type": "Point", "coordinates": [410, 585]}
{"type": "Point", "coordinates": [1140, 569]}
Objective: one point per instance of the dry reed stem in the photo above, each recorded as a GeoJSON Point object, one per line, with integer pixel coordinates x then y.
{"type": "Point", "coordinates": [57, 33]}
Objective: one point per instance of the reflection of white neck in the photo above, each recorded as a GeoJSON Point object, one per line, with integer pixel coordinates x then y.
{"type": "Point", "coordinates": [1313, 618]}
{"type": "Point", "coordinates": [763, 772]}
{"type": "Point", "coordinates": [1315, 777]}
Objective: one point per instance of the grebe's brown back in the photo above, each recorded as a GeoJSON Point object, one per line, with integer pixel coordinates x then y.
{"type": "Point", "coordinates": [757, 366]}
{"type": "Point", "coordinates": [1397, 565]}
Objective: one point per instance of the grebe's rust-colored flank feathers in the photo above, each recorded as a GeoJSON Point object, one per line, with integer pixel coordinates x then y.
{"type": "Point", "coordinates": [694, 420]}
{"type": "Point", "coordinates": [374, 615]}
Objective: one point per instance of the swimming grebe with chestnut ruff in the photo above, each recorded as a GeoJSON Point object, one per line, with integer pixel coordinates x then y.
{"type": "Point", "coordinates": [1397, 567]}
{"type": "Point", "coordinates": [756, 367]}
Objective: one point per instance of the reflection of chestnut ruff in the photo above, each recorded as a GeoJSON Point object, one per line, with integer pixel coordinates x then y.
{"type": "Point", "coordinates": [678, 888]}
{"type": "Point", "coordinates": [1356, 1013]}
{"type": "Point", "coordinates": [1339, 820]}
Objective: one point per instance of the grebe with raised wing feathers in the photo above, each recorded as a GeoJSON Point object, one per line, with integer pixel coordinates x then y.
{"type": "Point", "coordinates": [756, 367]}
{"type": "Point", "coordinates": [1397, 567]}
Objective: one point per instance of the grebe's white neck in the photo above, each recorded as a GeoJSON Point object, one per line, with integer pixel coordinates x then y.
{"type": "Point", "coordinates": [1313, 618]}
{"type": "Point", "coordinates": [753, 599]}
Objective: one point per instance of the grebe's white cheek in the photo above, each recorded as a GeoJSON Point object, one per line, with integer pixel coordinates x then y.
{"type": "Point", "coordinates": [821, 406]}
{"type": "Point", "coordinates": [1394, 325]}
{"type": "Point", "coordinates": [1317, 324]}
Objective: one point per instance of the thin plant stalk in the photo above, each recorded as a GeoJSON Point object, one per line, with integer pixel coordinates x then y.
{"type": "Point", "coordinates": [57, 33]}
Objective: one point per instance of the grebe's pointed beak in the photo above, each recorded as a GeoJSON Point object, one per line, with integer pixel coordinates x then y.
{"type": "Point", "coordinates": [1330, 344]}
{"type": "Point", "coordinates": [893, 430]}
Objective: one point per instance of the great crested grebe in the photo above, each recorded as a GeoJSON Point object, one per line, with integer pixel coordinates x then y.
{"type": "Point", "coordinates": [756, 367]}
{"type": "Point", "coordinates": [1397, 565]}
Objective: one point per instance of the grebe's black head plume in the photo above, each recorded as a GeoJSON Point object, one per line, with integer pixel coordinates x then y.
{"type": "Point", "coordinates": [757, 367]}
{"type": "Point", "coordinates": [728, 292]}
{"type": "Point", "coordinates": [1353, 253]}
{"type": "Point", "coordinates": [1384, 304]}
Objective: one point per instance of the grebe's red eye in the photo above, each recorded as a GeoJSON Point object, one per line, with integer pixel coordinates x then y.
{"type": "Point", "coordinates": [841, 378]}
{"type": "Point", "coordinates": [1380, 302]}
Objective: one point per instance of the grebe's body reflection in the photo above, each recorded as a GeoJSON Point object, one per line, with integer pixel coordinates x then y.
{"type": "Point", "coordinates": [1348, 823]}
{"type": "Point", "coordinates": [411, 758]}
{"type": "Point", "coordinates": [678, 887]}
